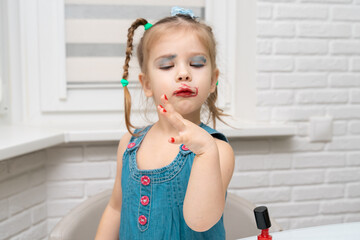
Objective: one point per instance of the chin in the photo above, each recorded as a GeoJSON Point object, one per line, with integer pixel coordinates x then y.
{"type": "Point", "coordinates": [190, 110]}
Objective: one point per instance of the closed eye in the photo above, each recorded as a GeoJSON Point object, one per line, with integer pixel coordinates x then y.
{"type": "Point", "coordinates": [197, 65]}
{"type": "Point", "coordinates": [166, 67]}
{"type": "Point", "coordinates": [198, 61]}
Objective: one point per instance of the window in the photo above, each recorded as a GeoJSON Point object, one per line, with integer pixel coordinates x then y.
{"type": "Point", "coordinates": [72, 57]}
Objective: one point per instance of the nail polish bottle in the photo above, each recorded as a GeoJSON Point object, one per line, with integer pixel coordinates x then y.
{"type": "Point", "coordinates": [263, 222]}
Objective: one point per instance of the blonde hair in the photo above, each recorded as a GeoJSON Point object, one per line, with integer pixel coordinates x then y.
{"type": "Point", "coordinates": [206, 37]}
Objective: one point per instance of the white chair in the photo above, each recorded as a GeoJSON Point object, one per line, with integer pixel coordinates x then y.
{"type": "Point", "coordinates": [239, 218]}
{"type": "Point", "coordinates": [81, 222]}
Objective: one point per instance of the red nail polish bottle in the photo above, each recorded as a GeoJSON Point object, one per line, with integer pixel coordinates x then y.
{"type": "Point", "coordinates": [263, 222]}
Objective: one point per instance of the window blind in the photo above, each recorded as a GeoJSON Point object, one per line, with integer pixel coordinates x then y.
{"type": "Point", "coordinates": [96, 35]}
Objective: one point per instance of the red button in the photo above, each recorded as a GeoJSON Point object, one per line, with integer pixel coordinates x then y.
{"type": "Point", "coordinates": [144, 200]}
{"type": "Point", "coordinates": [184, 148]}
{"type": "Point", "coordinates": [142, 220]}
{"type": "Point", "coordinates": [131, 145]}
{"type": "Point", "coordinates": [145, 180]}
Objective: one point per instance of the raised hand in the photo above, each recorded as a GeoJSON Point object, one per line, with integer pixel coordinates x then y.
{"type": "Point", "coordinates": [191, 135]}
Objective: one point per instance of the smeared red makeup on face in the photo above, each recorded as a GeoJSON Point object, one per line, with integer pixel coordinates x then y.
{"type": "Point", "coordinates": [186, 91]}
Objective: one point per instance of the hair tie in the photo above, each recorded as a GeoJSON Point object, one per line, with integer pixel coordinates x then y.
{"type": "Point", "coordinates": [147, 26]}
{"type": "Point", "coordinates": [178, 10]}
{"type": "Point", "coordinates": [124, 82]}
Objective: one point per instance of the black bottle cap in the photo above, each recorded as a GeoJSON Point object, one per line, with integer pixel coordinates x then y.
{"type": "Point", "coordinates": [262, 217]}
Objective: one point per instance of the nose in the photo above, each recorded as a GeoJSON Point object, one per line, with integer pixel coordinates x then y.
{"type": "Point", "coordinates": [183, 76]}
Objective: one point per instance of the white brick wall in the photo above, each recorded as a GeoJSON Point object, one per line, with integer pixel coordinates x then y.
{"type": "Point", "coordinates": [23, 208]}
{"type": "Point", "coordinates": [308, 65]}
{"type": "Point", "coordinates": [76, 172]}
{"type": "Point", "coordinates": [37, 189]}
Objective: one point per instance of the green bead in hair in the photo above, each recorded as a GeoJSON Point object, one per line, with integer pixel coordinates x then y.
{"type": "Point", "coordinates": [124, 82]}
{"type": "Point", "coordinates": [147, 26]}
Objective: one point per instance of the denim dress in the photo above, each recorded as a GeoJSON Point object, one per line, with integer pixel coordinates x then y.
{"type": "Point", "coordinates": [152, 200]}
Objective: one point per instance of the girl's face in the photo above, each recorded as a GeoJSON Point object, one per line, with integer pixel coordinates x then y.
{"type": "Point", "coordinates": [179, 66]}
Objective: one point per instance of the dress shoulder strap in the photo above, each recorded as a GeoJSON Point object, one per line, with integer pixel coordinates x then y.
{"type": "Point", "coordinates": [214, 132]}
{"type": "Point", "coordinates": [135, 141]}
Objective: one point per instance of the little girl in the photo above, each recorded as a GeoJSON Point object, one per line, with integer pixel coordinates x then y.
{"type": "Point", "coordinates": [172, 176]}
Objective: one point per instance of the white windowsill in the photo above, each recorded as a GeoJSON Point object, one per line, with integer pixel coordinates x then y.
{"type": "Point", "coordinates": [16, 140]}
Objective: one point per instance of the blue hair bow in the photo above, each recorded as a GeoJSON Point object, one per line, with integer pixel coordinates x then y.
{"type": "Point", "coordinates": [179, 10]}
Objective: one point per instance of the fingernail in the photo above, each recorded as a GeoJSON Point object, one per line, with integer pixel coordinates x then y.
{"type": "Point", "coordinates": [164, 110]}
{"type": "Point", "coordinates": [165, 97]}
{"type": "Point", "coordinates": [172, 140]}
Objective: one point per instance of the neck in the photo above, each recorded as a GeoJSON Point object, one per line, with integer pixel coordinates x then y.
{"type": "Point", "coordinates": [194, 117]}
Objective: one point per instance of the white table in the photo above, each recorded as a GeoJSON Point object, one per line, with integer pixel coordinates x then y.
{"type": "Point", "coordinates": [341, 231]}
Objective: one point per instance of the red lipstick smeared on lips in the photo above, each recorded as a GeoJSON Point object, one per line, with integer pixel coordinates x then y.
{"type": "Point", "coordinates": [186, 91]}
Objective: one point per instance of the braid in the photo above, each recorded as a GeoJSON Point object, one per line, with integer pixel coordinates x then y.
{"type": "Point", "coordinates": [127, 97]}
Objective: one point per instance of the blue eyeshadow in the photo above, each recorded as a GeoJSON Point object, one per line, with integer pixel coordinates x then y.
{"type": "Point", "coordinates": [198, 59]}
{"type": "Point", "coordinates": [165, 60]}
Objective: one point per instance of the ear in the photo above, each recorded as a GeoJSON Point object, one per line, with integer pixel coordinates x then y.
{"type": "Point", "coordinates": [145, 83]}
{"type": "Point", "coordinates": [214, 80]}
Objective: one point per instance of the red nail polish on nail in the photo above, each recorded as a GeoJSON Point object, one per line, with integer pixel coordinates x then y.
{"type": "Point", "coordinates": [164, 110]}
{"type": "Point", "coordinates": [172, 140]}
{"type": "Point", "coordinates": [166, 97]}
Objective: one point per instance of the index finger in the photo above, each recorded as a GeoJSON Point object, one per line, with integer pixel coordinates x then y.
{"type": "Point", "coordinates": [172, 116]}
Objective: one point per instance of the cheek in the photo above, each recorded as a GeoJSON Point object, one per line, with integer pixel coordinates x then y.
{"type": "Point", "coordinates": [204, 79]}
{"type": "Point", "coordinates": [204, 72]}
{"type": "Point", "coordinates": [164, 77]}
{"type": "Point", "coordinates": [162, 86]}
